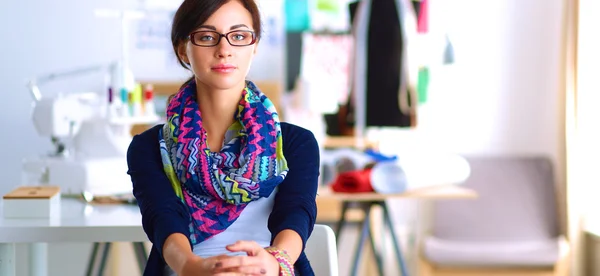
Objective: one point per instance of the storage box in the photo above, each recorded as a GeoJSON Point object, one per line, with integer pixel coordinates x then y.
{"type": "Point", "coordinates": [32, 202]}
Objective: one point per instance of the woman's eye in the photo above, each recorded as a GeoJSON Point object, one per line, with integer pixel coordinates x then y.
{"type": "Point", "coordinates": [239, 37]}
{"type": "Point", "coordinates": [206, 38]}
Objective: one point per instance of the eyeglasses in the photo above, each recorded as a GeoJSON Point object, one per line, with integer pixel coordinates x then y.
{"type": "Point", "coordinates": [212, 38]}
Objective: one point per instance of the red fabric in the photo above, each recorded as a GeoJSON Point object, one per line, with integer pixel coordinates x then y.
{"type": "Point", "coordinates": [353, 182]}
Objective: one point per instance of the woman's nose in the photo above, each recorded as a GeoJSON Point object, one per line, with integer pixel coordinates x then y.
{"type": "Point", "coordinates": [223, 48]}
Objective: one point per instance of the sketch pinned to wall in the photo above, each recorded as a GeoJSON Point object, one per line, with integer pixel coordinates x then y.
{"type": "Point", "coordinates": [153, 32]}
{"type": "Point", "coordinates": [325, 70]}
{"type": "Point", "coordinates": [152, 54]}
{"type": "Point", "coordinates": [164, 5]}
{"type": "Point", "coordinates": [269, 62]}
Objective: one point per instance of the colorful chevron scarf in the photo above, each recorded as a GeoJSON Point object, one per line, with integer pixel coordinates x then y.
{"type": "Point", "coordinates": [217, 186]}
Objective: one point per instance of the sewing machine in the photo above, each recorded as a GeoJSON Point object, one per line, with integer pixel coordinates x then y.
{"type": "Point", "coordinates": [90, 144]}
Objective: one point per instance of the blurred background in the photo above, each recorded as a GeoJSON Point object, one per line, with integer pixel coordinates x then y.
{"type": "Point", "coordinates": [495, 79]}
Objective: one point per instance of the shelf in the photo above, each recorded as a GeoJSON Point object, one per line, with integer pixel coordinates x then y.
{"type": "Point", "coordinates": [332, 142]}
{"type": "Point", "coordinates": [143, 120]}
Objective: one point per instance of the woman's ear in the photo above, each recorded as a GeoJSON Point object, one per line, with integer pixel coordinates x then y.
{"type": "Point", "coordinates": [182, 53]}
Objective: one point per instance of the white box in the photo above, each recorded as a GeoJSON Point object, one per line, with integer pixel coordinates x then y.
{"type": "Point", "coordinates": [32, 202]}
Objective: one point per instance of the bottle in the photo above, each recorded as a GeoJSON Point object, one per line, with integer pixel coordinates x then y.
{"type": "Point", "coordinates": [122, 83]}
{"type": "Point", "coordinates": [149, 107]}
{"type": "Point", "coordinates": [136, 101]}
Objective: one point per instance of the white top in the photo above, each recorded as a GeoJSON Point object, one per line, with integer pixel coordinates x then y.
{"type": "Point", "coordinates": [251, 225]}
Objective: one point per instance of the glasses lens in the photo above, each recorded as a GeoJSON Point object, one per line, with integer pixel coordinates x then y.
{"type": "Point", "coordinates": [240, 38]}
{"type": "Point", "coordinates": [205, 38]}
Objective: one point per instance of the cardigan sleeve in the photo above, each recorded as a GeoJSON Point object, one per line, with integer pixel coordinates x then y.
{"type": "Point", "coordinates": [163, 213]}
{"type": "Point", "coordinates": [295, 205]}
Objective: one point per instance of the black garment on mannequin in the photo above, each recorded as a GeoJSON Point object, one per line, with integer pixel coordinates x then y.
{"type": "Point", "coordinates": [384, 62]}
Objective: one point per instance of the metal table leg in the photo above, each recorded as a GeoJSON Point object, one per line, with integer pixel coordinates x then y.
{"type": "Point", "coordinates": [141, 255]}
{"type": "Point", "coordinates": [341, 222]}
{"type": "Point", "coordinates": [92, 260]}
{"type": "Point", "coordinates": [105, 253]}
{"type": "Point", "coordinates": [390, 224]}
{"type": "Point", "coordinates": [92, 269]}
{"type": "Point", "coordinates": [376, 252]}
{"type": "Point", "coordinates": [38, 259]}
{"type": "Point", "coordinates": [7, 259]}
{"type": "Point", "coordinates": [361, 242]}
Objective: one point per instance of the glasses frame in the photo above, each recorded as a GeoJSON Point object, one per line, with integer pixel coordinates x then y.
{"type": "Point", "coordinates": [254, 38]}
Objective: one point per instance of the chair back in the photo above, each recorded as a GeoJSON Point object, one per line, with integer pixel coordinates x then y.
{"type": "Point", "coordinates": [517, 202]}
{"type": "Point", "coordinates": [321, 251]}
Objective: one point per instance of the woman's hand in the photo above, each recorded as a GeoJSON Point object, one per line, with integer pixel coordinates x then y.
{"type": "Point", "coordinates": [213, 266]}
{"type": "Point", "coordinates": [258, 262]}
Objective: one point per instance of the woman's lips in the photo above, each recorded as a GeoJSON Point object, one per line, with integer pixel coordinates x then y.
{"type": "Point", "coordinates": [223, 68]}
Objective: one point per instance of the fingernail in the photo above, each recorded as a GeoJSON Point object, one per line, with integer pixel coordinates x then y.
{"type": "Point", "coordinates": [218, 264]}
{"type": "Point", "coordinates": [263, 271]}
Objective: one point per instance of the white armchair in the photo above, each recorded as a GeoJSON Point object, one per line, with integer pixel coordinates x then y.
{"type": "Point", "coordinates": [321, 251]}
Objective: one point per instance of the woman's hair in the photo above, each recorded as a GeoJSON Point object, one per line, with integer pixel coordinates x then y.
{"type": "Point", "coordinates": [193, 13]}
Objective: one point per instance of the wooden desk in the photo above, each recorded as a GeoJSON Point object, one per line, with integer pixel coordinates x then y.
{"type": "Point", "coordinates": [329, 203]}
{"type": "Point", "coordinates": [348, 204]}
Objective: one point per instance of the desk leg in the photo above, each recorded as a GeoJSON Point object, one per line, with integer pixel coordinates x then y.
{"type": "Point", "coordinates": [38, 259]}
{"type": "Point", "coordinates": [141, 255]}
{"type": "Point", "coordinates": [361, 242]}
{"type": "Point", "coordinates": [105, 253]}
{"type": "Point", "coordinates": [92, 260]}
{"type": "Point", "coordinates": [399, 258]}
{"type": "Point", "coordinates": [7, 259]}
{"type": "Point", "coordinates": [341, 222]}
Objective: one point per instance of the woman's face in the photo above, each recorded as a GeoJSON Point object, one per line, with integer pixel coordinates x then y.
{"type": "Point", "coordinates": [222, 66]}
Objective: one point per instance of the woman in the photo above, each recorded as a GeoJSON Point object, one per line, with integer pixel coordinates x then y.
{"type": "Point", "coordinates": [224, 188]}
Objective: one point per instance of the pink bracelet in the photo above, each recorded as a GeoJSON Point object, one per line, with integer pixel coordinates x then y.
{"type": "Point", "coordinates": [286, 268]}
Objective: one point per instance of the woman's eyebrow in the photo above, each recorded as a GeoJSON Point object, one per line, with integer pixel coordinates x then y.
{"type": "Point", "coordinates": [238, 26]}
{"type": "Point", "coordinates": [215, 28]}
{"type": "Point", "coordinates": [208, 27]}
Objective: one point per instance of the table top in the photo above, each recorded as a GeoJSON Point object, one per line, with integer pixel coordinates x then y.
{"type": "Point", "coordinates": [79, 222]}
{"type": "Point", "coordinates": [82, 222]}
{"type": "Point", "coordinates": [430, 193]}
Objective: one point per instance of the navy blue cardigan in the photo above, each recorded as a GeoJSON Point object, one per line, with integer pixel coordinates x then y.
{"type": "Point", "coordinates": [163, 213]}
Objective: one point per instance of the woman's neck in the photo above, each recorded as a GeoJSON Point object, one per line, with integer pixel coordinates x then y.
{"type": "Point", "coordinates": [217, 108]}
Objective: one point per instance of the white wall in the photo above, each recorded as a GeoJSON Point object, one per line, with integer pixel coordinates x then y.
{"type": "Point", "coordinates": [501, 95]}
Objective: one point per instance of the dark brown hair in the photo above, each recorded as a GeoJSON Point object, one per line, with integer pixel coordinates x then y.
{"type": "Point", "coordinates": [193, 13]}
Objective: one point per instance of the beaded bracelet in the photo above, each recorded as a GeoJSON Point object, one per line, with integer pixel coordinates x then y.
{"type": "Point", "coordinates": [286, 268]}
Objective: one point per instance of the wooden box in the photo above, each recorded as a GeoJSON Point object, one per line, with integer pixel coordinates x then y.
{"type": "Point", "coordinates": [32, 202]}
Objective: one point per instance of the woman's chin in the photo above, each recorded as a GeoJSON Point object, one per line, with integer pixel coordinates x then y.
{"type": "Point", "coordinates": [226, 82]}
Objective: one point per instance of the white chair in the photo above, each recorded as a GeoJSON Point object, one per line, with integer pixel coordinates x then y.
{"type": "Point", "coordinates": [321, 251]}
{"type": "Point", "coordinates": [511, 229]}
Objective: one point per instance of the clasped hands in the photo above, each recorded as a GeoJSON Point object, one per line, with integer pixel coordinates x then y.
{"type": "Point", "coordinates": [256, 262]}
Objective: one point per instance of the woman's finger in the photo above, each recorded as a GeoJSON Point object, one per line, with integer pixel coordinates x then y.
{"type": "Point", "coordinates": [253, 270]}
{"type": "Point", "coordinates": [215, 263]}
{"type": "Point", "coordinates": [237, 262]}
{"type": "Point", "coordinates": [229, 274]}
{"type": "Point", "coordinates": [250, 247]}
